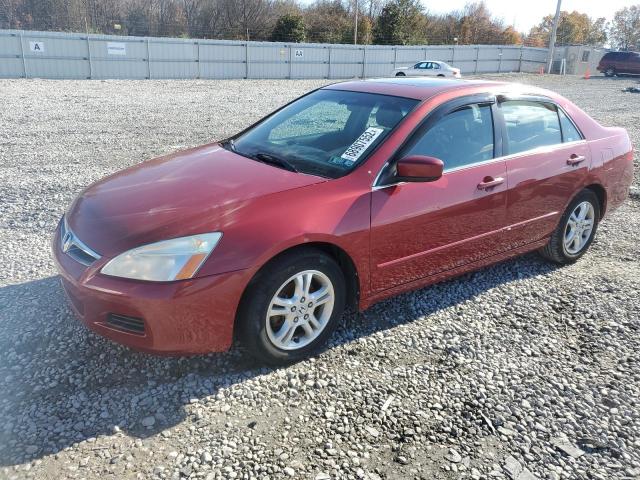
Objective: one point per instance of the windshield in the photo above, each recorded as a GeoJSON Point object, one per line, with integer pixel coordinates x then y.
{"type": "Point", "coordinates": [325, 133]}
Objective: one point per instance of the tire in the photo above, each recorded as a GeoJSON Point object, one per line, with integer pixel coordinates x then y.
{"type": "Point", "coordinates": [562, 252]}
{"type": "Point", "coordinates": [400, 74]}
{"type": "Point", "coordinates": [440, 75]}
{"type": "Point", "coordinates": [610, 72]}
{"type": "Point", "coordinates": [259, 332]}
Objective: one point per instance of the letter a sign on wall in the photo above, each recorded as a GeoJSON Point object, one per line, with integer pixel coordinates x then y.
{"type": "Point", "coordinates": [37, 47]}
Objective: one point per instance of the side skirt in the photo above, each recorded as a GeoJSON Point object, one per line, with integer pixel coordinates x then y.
{"type": "Point", "coordinates": [449, 274]}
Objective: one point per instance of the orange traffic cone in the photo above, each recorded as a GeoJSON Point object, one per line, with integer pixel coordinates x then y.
{"type": "Point", "coordinates": [587, 74]}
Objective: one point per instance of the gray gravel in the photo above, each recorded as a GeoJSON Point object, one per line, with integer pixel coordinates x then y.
{"type": "Point", "coordinates": [519, 371]}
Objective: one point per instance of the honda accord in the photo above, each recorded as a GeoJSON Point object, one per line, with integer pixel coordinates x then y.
{"type": "Point", "coordinates": [348, 195]}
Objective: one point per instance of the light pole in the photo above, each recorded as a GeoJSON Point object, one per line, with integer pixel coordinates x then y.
{"type": "Point", "coordinates": [552, 40]}
{"type": "Point", "coordinates": [355, 27]}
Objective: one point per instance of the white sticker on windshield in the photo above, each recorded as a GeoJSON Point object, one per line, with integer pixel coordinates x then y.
{"type": "Point", "coordinates": [363, 142]}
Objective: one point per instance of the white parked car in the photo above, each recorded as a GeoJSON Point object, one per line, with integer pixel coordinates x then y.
{"type": "Point", "coordinates": [429, 68]}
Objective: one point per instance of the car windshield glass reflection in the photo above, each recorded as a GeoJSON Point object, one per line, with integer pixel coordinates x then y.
{"type": "Point", "coordinates": [325, 133]}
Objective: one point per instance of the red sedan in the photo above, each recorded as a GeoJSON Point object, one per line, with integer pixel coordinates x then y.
{"type": "Point", "coordinates": [350, 194]}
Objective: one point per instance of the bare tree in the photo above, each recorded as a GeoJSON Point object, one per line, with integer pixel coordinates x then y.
{"type": "Point", "coordinates": [247, 18]}
{"type": "Point", "coordinates": [191, 10]}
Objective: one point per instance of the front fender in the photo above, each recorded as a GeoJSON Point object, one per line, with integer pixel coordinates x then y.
{"type": "Point", "coordinates": [330, 213]}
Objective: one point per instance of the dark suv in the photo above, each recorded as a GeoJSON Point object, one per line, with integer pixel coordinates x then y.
{"type": "Point", "coordinates": [617, 63]}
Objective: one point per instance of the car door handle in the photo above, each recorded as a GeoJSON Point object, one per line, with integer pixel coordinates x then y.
{"type": "Point", "coordinates": [490, 182]}
{"type": "Point", "coordinates": [576, 159]}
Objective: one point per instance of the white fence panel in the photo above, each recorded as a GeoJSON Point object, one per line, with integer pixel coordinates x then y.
{"type": "Point", "coordinates": [222, 59]}
{"type": "Point", "coordinates": [74, 55]}
{"type": "Point", "coordinates": [11, 58]}
{"type": "Point", "coordinates": [309, 61]}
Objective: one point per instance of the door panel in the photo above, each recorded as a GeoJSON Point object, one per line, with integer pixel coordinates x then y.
{"type": "Point", "coordinates": [420, 229]}
{"type": "Point", "coordinates": [543, 173]}
{"type": "Point", "coordinates": [540, 186]}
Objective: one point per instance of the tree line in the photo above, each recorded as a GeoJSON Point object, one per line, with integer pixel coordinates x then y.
{"type": "Point", "coordinates": [381, 22]}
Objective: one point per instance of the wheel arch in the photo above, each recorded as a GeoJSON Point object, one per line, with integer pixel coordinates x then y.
{"type": "Point", "coordinates": [601, 193]}
{"type": "Point", "coordinates": [342, 258]}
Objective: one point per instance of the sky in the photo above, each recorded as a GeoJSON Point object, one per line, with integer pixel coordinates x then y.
{"type": "Point", "coordinates": [527, 13]}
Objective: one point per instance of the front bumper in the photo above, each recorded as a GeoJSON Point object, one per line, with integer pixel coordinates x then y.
{"type": "Point", "coordinates": [182, 317]}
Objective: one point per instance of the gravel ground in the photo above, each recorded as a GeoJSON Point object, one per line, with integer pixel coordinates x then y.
{"type": "Point", "coordinates": [519, 371]}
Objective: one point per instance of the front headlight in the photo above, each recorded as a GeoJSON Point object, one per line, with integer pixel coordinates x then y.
{"type": "Point", "coordinates": [175, 259]}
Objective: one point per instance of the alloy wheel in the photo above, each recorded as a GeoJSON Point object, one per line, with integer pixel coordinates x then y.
{"type": "Point", "coordinates": [300, 310]}
{"type": "Point", "coordinates": [578, 229]}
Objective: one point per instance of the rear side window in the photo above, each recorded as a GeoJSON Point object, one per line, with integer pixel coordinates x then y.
{"type": "Point", "coordinates": [569, 131]}
{"type": "Point", "coordinates": [530, 125]}
{"type": "Point", "coordinates": [461, 138]}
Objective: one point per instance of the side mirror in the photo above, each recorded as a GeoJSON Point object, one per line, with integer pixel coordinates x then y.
{"type": "Point", "coordinates": [419, 168]}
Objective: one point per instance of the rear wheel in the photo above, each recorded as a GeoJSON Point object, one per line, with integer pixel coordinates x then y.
{"type": "Point", "coordinates": [609, 72]}
{"type": "Point", "coordinates": [575, 231]}
{"type": "Point", "coordinates": [291, 308]}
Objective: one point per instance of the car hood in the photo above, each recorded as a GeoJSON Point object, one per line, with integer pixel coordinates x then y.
{"type": "Point", "coordinates": [402, 68]}
{"type": "Point", "coordinates": [193, 191]}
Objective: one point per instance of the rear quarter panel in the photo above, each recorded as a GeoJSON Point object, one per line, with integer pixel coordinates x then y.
{"type": "Point", "coordinates": [611, 155]}
{"type": "Point", "coordinates": [612, 165]}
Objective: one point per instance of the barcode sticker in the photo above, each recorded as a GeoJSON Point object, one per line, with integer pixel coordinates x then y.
{"type": "Point", "coordinates": [357, 148]}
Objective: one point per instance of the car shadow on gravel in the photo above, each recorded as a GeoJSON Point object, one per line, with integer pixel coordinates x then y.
{"type": "Point", "coordinates": [61, 384]}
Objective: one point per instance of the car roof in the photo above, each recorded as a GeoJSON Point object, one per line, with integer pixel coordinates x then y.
{"type": "Point", "coordinates": [618, 54]}
{"type": "Point", "coordinates": [416, 88]}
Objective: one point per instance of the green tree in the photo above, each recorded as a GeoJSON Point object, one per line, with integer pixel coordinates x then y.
{"type": "Point", "coordinates": [138, 21]}
{"type": "Point", "coordinates": [625, 28]}
{"type": "Point", "coordinates": [289, 28]}
{"type": "Point", "coordinates": [401, 22]}
{"type": "Point", "coordinates": [328, 21]}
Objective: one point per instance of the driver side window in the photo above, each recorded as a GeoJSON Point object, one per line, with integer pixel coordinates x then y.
{"type": "Point", "coordinates": [461, 138]}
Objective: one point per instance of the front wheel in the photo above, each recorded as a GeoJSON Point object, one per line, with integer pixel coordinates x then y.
{"type": "Point", "coordinates": [575, 231]}
{"type": "Point", "coordinates": [609, 72]}
{"type": "Point", "coordinates": [400, 74]}
{"type": "Point", "coordinates": [291, 307]}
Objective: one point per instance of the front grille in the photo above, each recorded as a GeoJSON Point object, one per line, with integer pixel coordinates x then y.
{"type": "Point", "coordinates": [80, 255]}
{"type": "Point", "coordinates": [126, 324]}
{"type": "Point", "coordinates": [74, 247]}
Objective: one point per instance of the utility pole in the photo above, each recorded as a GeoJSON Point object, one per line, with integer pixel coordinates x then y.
{"type": "Point", "coordinates": [355, 27]}
{"type": "Point", "coordinates": [552, 40]}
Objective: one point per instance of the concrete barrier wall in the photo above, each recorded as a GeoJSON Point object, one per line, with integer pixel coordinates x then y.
{"type": "Point", "coordinates": [30, 54]}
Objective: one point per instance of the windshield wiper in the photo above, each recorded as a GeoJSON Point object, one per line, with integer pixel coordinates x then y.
{"type": "Point", "coordinates": [273, 160]}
